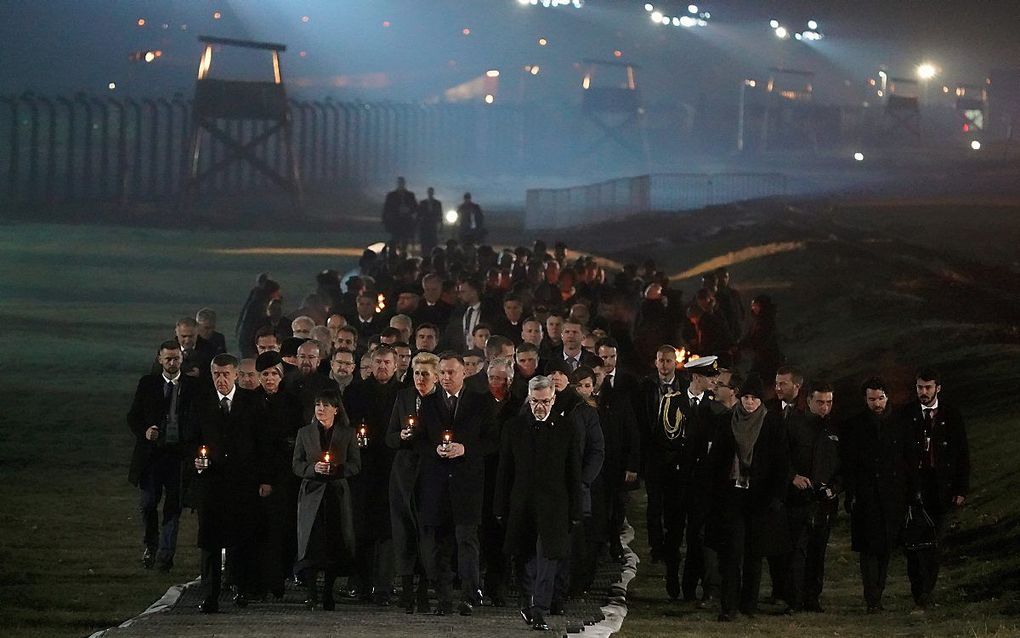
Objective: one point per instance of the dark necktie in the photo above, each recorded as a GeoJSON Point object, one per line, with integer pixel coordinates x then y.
{"type": "Point", "coordinates": [468, 314]}
{"type": "Point", "coordinates": [168, 390]}
{"type": "Point", "coordinates": [572, 362]}
{"type": "Point", "coordinates": [452, 404]}
{"type": "Point", "coordinates": [694, 402]}
{"type": "Point", "coordinates": [225, 406]}
{"type": "Point", "coordinates": [666, 389]}
{"type": "Point", "coordinates": [787, 410]}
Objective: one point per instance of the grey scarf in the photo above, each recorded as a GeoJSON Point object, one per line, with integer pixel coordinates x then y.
{"type": "Point", "coordinates": [746, 427]}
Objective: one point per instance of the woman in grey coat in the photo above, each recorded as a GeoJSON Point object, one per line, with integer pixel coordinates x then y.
{"type": "Point", "coordinates": [325, 455]}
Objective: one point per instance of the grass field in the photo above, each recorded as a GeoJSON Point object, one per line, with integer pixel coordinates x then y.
{"type": "Point", "coordinates": [82, 308]}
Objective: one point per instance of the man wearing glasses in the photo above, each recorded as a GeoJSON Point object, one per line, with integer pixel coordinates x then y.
{"type": "Point", "coordinates": [538, 495]}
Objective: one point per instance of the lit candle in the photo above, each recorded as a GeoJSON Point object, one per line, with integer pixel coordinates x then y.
{"type": "Point", "coordinates": [326, 459]}
{"type": "Point", "coordinates": [410, 422]}
{"type": "Point", "coordinates": [362, 436]}
{"type": "Point", "coordinates": [447, 439]}
{"type": "Point", "coordinates": [203, 458]}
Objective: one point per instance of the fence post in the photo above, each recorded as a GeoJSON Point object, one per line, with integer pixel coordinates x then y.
{"type": "Point", "coordinates": [12, 169]}
{"type": "Point", "coordinates": [33, 146]}
{"type": "Point", "coordinates": [51, 145]}
{"type": "Point", "coordinates": [121, 172]}
{"type": "Point", "coordinates": [86, 174]}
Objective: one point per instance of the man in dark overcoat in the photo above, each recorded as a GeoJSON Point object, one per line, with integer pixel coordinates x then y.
{"type": "Point", "coordinates": [160, 418]}
{"type": "Point", "coordinates": [941, 455]}
{"type": "Point", "coordinates": [369, 407]}
{"type": "Point", "coordinates": [451, 482]}
{"type": "Point", "coordinates": [876, 478]}
{"type": "Point", "coordinates": [538, 494]}
{"type": "Point", "coordinates": [231, 424]}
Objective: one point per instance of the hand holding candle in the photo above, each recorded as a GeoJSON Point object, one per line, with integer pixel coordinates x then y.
{"type": "Point", "coordinates": [408, 430]}
{"type": "Point", "coordinates": [363, 436]}
{"type": "Point", "coordinates": [325, 466]}
{"type": "Point", "coordinates": [202, 461]}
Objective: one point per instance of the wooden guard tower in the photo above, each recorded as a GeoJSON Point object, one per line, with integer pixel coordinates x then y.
{"type": "Point", "coordinates": [219, 101]}
{"type": "Point", "coordinates": [614, 107]}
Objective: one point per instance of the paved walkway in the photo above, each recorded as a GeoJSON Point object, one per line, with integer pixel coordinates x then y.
{"type": "Point", "coordinates": [176, 614]}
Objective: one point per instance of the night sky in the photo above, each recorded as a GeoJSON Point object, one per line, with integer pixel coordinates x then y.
{"type": "Point", "coordinates": [415, 49]}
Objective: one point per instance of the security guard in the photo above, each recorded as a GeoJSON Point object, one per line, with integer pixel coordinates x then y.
{"type": "Point", "coordinates": [812, 498]}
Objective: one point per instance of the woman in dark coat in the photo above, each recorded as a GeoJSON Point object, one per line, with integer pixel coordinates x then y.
{"type": "Point", "coordinates": [750, 465]}
{"type": "Point", "coordinates": [324, 516]}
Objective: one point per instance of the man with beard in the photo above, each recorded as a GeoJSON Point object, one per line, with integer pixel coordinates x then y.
{"type": "Point", "coordinates": [404, 425]}
{"type": "Point", "coordinates": [160, 419]}
{"type": "Point", "coordinates": [341, 369]}
{"type": "Point", "coordinates": [277, 538]}
{"type": "Point", "coordinates": [941, 456]}
{"type": "Point", "coordinates": [452, 477]}
{"type": "Point", "coordinates": [370, 409]}
{"type": "Point", "coordinates": [232, 476]}
{"type": "Point", "coordinates": [307, 383]}
{"type": "Point", "coordinates": [875, 474]}
{"type": "Point", "coordinates": [812, 500]}
{"type": "Point", "coordinates": [538, 495]}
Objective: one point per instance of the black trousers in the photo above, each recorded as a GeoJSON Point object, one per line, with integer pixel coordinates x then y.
{"type": "Point", "coordinates": [161, 479]}
{"type": "Point", "coordinates": [874, 570]}
{"type": "Point", "coordinates": [243, 569]}
{"type": "Point", "coordinates": [576, 571]}
{"type": "Point", "coordinates": [438, 543]}
{"type": "Point", "coordinates": [373, 565]}
{"type": "Point", "coordinates": [739, 565]}
{"type": "Point", "coordinates": [494, 560]}
{"type": "Point", "coordinates": [810, 526]}
{"type": "Point", "coordinates": [666, 514]}
{"type": "Point", "coordinates": [538, 579]}
{"type": "Point", "coordinates": [701, 563]}
{"type": "Point", "coordinates": [923, 565]}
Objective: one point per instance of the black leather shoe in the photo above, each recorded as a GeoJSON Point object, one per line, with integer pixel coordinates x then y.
{"type": "Point", "coordinates": [381, 599]}
{"type": "Point", "coordinates": [497, 601]}
{"type": "Point", "coordinates": [444, 608]}
{"type": "Point", "coordinates": [328, 604]}
{"type": "Point", "coordinates": [149, 557]}
{"type": "Point", "coordinates": [240, 600]}
{"type": "Point", "coordinates": [706, 602]}
{"type": "Point", "coordinates": [725, 617]}
{"type": "Point", "coordinates": [556, 608]}
{"type": "Point", "coordinates": [813, 606]}
{"type": "Point", "coordinates": [464, 608]}
{"type": "Point", "coordinates": [164, 566]}
{"type": "Point", "coordinates": [209, 607]}
{"type": "Point", "coordinates": [538, 623]}
{"type": "Point", "coordinates": [750, 612]}
{"type": "Point", "coordinates": [672, 584]}
{"type": "Point", "coordinates": [527, 616]}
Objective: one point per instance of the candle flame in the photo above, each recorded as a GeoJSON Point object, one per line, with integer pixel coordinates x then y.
{"type": "Point", "coordinates": [447, 436]}
{"type": "Point", "coordinates": [680, 353]}
{"type": "Point", "coordinates": [326, 457]}
{"type": "Point", "coordinates": [203, 451]}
